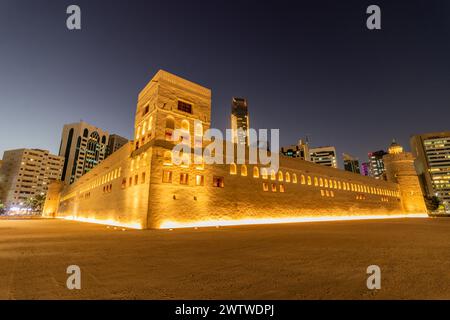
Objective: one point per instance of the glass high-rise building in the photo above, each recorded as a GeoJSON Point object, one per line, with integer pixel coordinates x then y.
{"type": "Point", "coordinates": [432, 152]}
{"type": "Point", "coordinates": [240, 123]}
{"type": "Point", "coordinates": [351, 163]}
{"type": "Point", "coordinates": [376, 164]}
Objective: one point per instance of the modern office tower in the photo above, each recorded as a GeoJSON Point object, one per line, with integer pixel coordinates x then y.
{"type": "Point", "coordinates": [300, 150]}
{"type": "Point", "coordinates": [26, 173]}
{"type": "Point", "coordinates": [83, 146]}
{"type": "Point", "coordinates": [325, 156]}
{"type": "Point", "coordinates": [376, 164]}
{"type": "Point", "coordinates": [365, 169]}
{"type": "Point", "coordinates": [351, 163]}
{"type": "Point", "coordinates": [432, 152]}
{"type": "Point", "coordinates": [115, 143]}
{"type": "Point", "coordinates": [240, 120]}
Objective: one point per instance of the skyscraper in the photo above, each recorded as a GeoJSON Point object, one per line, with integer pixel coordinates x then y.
{"type": "Point", "coordinates": [240, 120]}
{"type": "Point", "coordinates": [325, 156]}
{"type": "Point", "coordinates": [83, 146]}
{"type": "Point", "coordinates": [351, 163]}
{"type": "Point", "coordinates": [115, 143]}
{"type": "Point", "coordinates": [365, 169]}
{"type": "Point", "coordinates": [376, 164]}
{"type": "Point", "coordinates": [432, 152]}
{"type": "Point", "coordinates": [26, 173]}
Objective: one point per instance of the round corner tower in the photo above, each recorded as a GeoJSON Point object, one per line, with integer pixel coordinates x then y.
{"type": "Point", "coordinates": [400, 169]}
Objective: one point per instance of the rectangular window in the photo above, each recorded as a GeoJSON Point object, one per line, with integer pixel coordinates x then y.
{"type": "Point", "coordinates": [185, 107]}
{"type": "Point", "coordinates": [274, 187]}
{"type": "Point", "coordinates": [136, 179]}
{"type": "Point", "coordinates": [143, 177]}
{"type": "Point", "coordinates": [130, 182]}
{"type": "Point", "coordinates": [281, 187]}
{"type": "Point", "coordinates": [200, 180]}
{"type": "Point", "coordinates": [184, 178]}
{"type": "Point", "coordinates": [218, 182]}
{"type": "Point", "coordinates": [167, 176]}
{"type": "Point", "coordinates": [265, 186]}
{"type": "Point", "coordinates": [124, 183]}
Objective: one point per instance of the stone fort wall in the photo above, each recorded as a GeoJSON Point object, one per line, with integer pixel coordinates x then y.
{"type": "Point", "coordinates": [139, 186]}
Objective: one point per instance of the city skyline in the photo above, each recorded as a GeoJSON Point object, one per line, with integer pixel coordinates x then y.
{"type": "Point", "coordinates": [390, 94]}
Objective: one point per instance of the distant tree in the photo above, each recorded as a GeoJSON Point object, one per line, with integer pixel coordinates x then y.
{"type": "Point", "coordinates": [2, 208]}
{"type": "Point", "coordinates": [36, 204]}
{"type": "Point", "coordinates": [433, 203]}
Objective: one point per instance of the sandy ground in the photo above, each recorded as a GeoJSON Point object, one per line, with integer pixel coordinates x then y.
{"type": "Point", "coordinates": [326, 260]}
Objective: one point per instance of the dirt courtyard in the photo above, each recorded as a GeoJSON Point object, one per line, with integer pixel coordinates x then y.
{"type": "Point", "coordinates": [326, 260]}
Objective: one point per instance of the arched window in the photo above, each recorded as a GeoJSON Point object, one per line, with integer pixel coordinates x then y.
{"type": "Point", "coordinates": [198, 129]}
{"type": "Point", "coordinates": [316, 182]}
{"type": "Point", "coordinates": [85, 133]}
{"type": "Point", "coordinates": [150, 124]}
{"type": "Point", "coordinates": [264, 173]}
{"type": "Point", "coordinates": [326, 183]}
{"type": "Point", "coordinates": [288, 177]}
{"type": "Point", "coordinates": [339, 185]}
{"type": "Point", "coordinates": [309, 181]}
{"type": "Point", "coordinates": [273, 175]}
{"type": "Point", "coordinates": [280, 175]}
{"type": "Point", "coordinates": [294, 178]}
{"type": "Point", "coordinates": [132, 165]}
{"type": "Point", "coordinates": [244, 170]}
{"type": "Point", "coordinates": [185, 125]}
{"type": "Point", "coordinates": [335, 184]}
{"type": "Point", "coordinates": [255, 172]}
{"type": "Point", "coordinates": [144, 127]}
{"type": "Point", "coordinates": [170, 126]}
{"type": "Point", "coordinates": [233, 168]}
{"type": "Point", "coordinates": [344, 185]}
{"type": "Point", "coordinates": [168, 158]}
{"type": "Point", "coordinates": [138, 132]}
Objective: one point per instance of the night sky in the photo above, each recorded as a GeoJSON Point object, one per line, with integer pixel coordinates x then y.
{"type": "Point", "coordinates": [307, 67]}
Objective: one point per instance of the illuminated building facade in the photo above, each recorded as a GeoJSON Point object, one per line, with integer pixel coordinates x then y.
{"type": "Point", "coordinates": [300, 150]}
{"type": "Point", "coordinates": [83, 146]}
{"type": "Point", "coordinates": [351, 163]}
{"type": "Point", "coordinates": [432, 152]}
{"type": "Point", "coordinates": [325, 156]}
{"type": "Point", "coordinates": [140, 185]}
{"type": "Point", "coordinates": [376, 164]}
{"type": "Point", "coordinates": [26, 173]}
{"type": "Point", "coordinates": [240, 120]}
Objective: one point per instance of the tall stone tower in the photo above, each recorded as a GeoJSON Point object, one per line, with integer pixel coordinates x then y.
{"type": "Point", "coordinates": [400, 169]}
{"type": "Point", "coordinates": [167, 103]}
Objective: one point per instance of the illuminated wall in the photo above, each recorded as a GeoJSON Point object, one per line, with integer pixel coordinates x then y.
{"type": "Point", "coordinates": [138, 186]}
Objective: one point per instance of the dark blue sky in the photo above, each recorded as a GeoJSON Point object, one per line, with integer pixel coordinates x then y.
{"type": "Point", "coordinates": [306, 67]}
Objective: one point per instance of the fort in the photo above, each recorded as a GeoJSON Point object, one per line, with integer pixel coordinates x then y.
{"type": "Point", "coordinates": [140, 186]}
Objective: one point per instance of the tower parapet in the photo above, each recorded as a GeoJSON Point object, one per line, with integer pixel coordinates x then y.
{"type": "Point", "coordinates": [400, 169]}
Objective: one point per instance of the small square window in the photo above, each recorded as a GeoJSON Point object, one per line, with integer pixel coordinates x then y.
{"type": "Point", "coordinates": [218, 182]}
{"type": "Point", "coordinates": [185, 107]}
